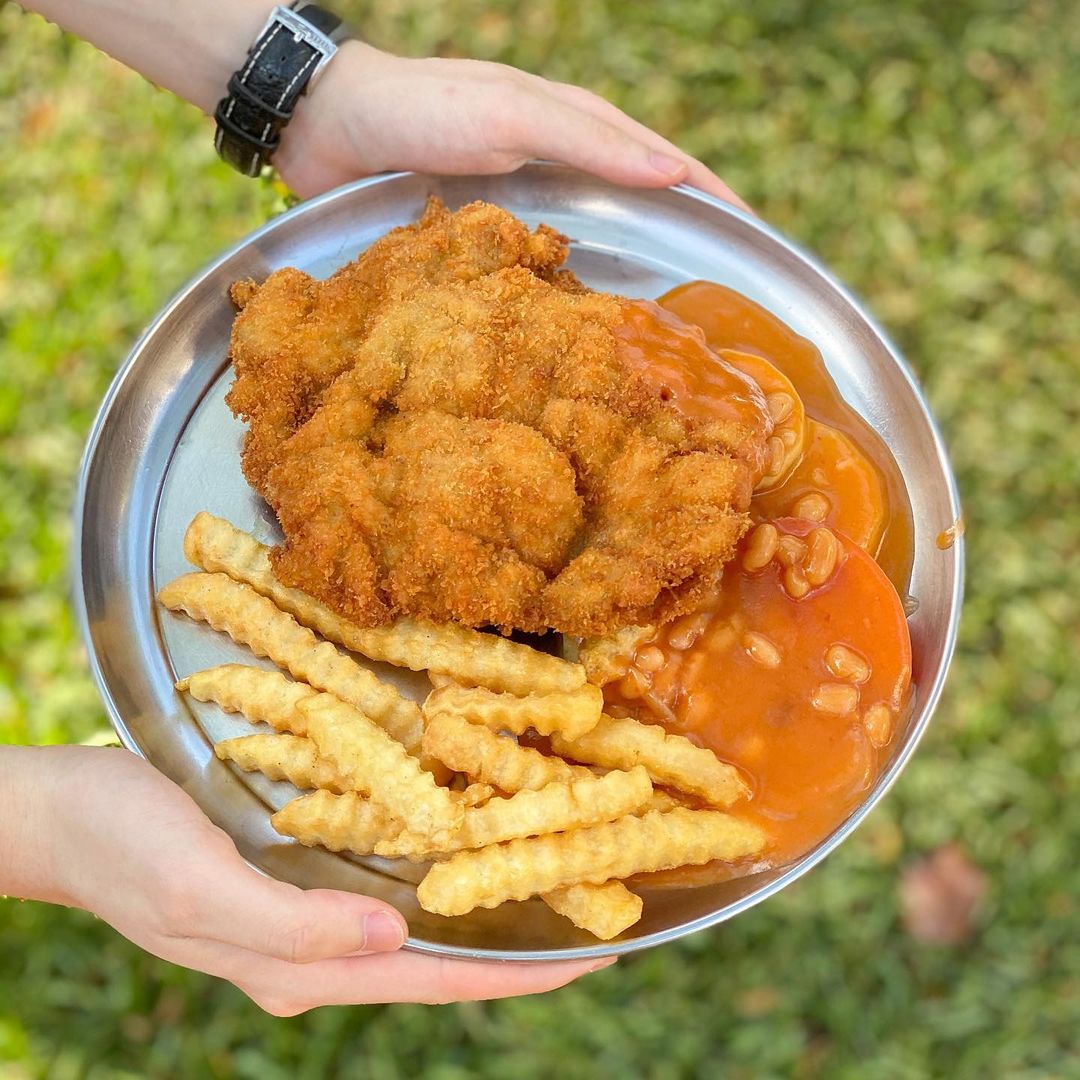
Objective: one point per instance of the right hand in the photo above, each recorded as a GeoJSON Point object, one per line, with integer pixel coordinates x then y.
{"type": "Point", "coordinates": [116, 837]}
{"type": "Point", "coordinates": [373, 111]}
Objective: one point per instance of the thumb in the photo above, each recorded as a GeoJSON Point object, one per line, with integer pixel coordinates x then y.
{"type": "Point", "coordinates": [238, 905]}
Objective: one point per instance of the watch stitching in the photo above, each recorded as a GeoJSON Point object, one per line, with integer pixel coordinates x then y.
{"type": "Point", "coordinates": [249, 66]}
{"type": "Point", "coordinates": [288, 89]}
{"type": "Point", "coordinates": [253, 59]}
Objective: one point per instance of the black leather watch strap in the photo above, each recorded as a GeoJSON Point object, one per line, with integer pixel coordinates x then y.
{"type": "Point", "coordinates": [292, 49]}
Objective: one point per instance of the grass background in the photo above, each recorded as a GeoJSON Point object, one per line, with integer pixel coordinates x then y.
{"type": "Point", "coordinates": [928, 152]}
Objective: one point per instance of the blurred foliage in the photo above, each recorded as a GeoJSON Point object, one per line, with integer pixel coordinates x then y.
{"type": "Point", "coordinates": [929, 153]}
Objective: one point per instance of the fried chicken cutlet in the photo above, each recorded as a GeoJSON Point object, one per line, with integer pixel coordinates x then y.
{"type": "Point", "coordinates": [455, 428]}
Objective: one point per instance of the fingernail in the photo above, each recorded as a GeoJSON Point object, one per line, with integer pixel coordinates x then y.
{"type": "Point", "coordinates": [601, 964]}
{"type": "Point", "coordinates": [382, 932]}
{"type": "Point", "coordinates": [666, 165]}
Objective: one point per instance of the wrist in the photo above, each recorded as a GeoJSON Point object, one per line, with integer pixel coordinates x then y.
{"type": "Point", "coordinates": [340, 108]}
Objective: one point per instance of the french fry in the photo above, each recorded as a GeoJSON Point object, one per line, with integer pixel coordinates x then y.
{"type": "Point", "coordinates": [493, 759]}
{"type": "Point", "coordinates": [573, 714]}
{"type": "Point", "coordinates": [502, 763]}
{"type": "Point", "coordinates": [377, 765]}
{"type": "Point", "coordinates": [256, 621]}
{"type": "Point", "coordinates": [519, 869]}
{"type": "Point", "coordinates": [473, 794]}
{"type": "Point", "coordinates": [664, 801]}
{"type": "Point", "coordinates": [283, 757]}
{"type": "Point", "coordinates": [551, 809]}
{"type": "Point", "coordinates": [445, 648]}
{"type": "Point", "coordinates": [346, 822]}
{"type": "Point", "coordinates": [261, 696]}
{"type": "Point", "coordinates": [604, 910]}
{"type": "Point", "coordinates": [671, 759]}
{"type": "Point", "coordinates": [608, 658]}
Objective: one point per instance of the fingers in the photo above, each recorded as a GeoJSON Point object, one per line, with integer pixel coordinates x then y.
{"type": "Point", "coordinates": [286, 990]}
{"type": "Point", "coordinates": [543, 126]}
{"type": "Point", "coordinates": [236, 905]}
{"type": "Point", "coordinates": [698, 174]}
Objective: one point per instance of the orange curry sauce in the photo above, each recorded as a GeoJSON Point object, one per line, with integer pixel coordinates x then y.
{"type": "Point", "coordinates": [798, 670]}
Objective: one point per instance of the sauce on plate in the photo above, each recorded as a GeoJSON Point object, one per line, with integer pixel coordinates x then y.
{"type": "Point", "coordinates": [730, 320]}
{"type": "Point", "coordinates": [797, 669]}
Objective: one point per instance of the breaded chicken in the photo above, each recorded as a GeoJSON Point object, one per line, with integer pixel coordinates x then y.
{"type": "Point", "coordinates": [302, 333]}
{"type": "Point", "coordinates": [450, 428]}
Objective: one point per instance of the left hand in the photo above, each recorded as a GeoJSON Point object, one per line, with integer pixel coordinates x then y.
{"type": "Point", "coordinates": [103, 830]}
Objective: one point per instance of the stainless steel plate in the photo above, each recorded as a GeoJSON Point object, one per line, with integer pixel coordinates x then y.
{"type": "Point", "coordinates": [164, 446]}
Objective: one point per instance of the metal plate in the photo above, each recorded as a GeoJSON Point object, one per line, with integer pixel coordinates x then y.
{"type": "Point", "coordinates": [165, 446]}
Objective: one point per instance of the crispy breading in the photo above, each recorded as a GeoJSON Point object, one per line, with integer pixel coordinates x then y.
{"type": "Point", "coordinates": [295, 334]}
{"type": "Point", "coordinates": [448, 429]}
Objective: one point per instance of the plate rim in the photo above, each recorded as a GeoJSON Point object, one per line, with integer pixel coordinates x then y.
{"type": "Point", "coordinates": [929, 697]}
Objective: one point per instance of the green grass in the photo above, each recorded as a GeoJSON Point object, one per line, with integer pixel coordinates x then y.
{"type": "Point", "coordinates": [928, 152]}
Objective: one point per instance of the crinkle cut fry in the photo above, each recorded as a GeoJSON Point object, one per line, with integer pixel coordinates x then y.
{"type": "Point", "coordinates": [256, 621]}
{"type": "Point", "coordinates": [604, 910]}
{"type": "Point", "coordinates": [258, 695]}
{"type": "Point", "coordinates": [519, 869]}
{"type": "Point", "coordinates": [378, 765]}
{"type": "Point", "coordinates": [493, 759]}
{"type": "Point", "coordinates": [553, 808]}
{"type": "Point", "coordinates": [346, 822]}
{"type": "Point", "coordinates": [573, 714]}
{"type": "Point", "coordinates": [671, 759]}
{"type": "Point", "coordinates": [284, 757]}
{"type": "Point", "coordinates": [473, 795]}
{"type": "Point", "coordinates": [468, 656]}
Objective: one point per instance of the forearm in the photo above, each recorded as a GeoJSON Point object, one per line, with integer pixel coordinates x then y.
{"type": "Point", "coordinates": [31, 795]}
{"type": "Point", "coordinates": [188, 46]}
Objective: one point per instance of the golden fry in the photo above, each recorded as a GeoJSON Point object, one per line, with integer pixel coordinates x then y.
{"type": "Point", "coordinates": [346, 822]}
{"type": "Point", "coordinates": [540, 864]}
{"type": "Point", "coordinates": [608, 658]}
{"type": "Point", "coordinates": [665, 800]}
{"type": "Point", "coordinates": [493, 759]}
{"type": "Point", "coordinates": [261, 696]}
{"type": "Point", "coordinates": [256, 621]}
{"type": "Point", "coordinates": [528, 813]}
{"type": "Point", "coordinates": [473, 794]}
{"type": "Point", "coordinates": [467, 655]}
{"type": "Point", "coordinates": [284, 757]}
{"type": "Point", "coordinates": [604, 910]}
{"type": "Point", "coordinates": [670, 759]}
{"type": "Point", "coordinates": [378, 765]}
{"type": "Point", "coordinates": [573, 714]}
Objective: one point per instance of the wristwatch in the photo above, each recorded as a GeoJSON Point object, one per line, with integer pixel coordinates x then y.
{"type": "Point", "coordinates": [289, 54]}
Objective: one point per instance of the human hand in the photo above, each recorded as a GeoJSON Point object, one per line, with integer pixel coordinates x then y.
{"type": "Point", "coordinates": [372, 112]}
{"type": "Point", "coordinates": [106, 832]}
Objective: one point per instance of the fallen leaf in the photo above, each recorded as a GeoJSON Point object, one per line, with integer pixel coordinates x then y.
{"type": "Point", "coordinates": [939, 896]}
